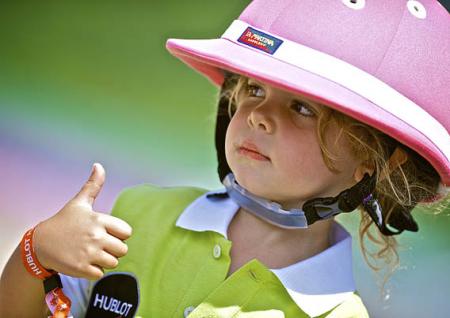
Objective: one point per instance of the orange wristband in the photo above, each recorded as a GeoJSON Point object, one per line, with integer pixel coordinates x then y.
{"type": "Point", "coordinates": [29, 258]}
{"type": "Point", "coordinates": [58, 303]}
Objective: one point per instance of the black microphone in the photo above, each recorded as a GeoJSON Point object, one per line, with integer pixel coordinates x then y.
{"type": "Point", "coordinates": [115, 295]}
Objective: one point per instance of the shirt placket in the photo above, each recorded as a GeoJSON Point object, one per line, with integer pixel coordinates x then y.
{"type": "Point", "coordinates": [213, 270]}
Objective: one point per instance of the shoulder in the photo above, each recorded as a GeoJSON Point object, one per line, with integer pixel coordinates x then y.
{"type": "Point", "coordinates": [138, 201]}
{"type": "Point", "coordinates": [353, 307]}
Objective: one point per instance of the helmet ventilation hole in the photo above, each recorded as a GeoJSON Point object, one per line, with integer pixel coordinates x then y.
{"type": "Point", "coordinates": [354, 4]}
{"type": "Point", "coordinates": [417, 9]}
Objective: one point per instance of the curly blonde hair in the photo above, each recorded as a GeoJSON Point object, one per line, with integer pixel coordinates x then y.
{"type": "Point", "coordinates": [399, 187]}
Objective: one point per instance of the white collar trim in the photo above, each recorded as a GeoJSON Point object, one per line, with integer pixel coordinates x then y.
{"type": "Point", "coordinates": [317, 284]}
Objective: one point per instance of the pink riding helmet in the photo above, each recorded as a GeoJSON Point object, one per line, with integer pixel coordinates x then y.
{"type": "Point", "coordinates": [384, 62]}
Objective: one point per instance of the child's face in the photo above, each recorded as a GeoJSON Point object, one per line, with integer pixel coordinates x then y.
{"type": "Point", "coordinates": [281, 127]}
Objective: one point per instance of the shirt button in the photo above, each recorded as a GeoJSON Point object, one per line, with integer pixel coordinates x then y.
{"type": "Point", "coordinates": [217, 251]}
{"type": "Point", "coordinates": [188, 310]}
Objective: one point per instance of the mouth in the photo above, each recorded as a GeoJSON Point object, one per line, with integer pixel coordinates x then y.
{"type": "Point", "coordinates": [250, 150]}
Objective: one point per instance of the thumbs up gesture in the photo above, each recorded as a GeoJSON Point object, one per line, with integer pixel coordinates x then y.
{"type": "Point", "coordinates": [78, 241]}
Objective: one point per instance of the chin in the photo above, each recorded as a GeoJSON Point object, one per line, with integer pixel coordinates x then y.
{"type": "Point", "coordinates": [256, 184]}
{"type": "Point", "coordinates": [261, 186]}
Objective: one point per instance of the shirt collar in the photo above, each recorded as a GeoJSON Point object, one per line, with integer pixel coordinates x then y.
{"type": "Point", "coordinates": [316, 285]}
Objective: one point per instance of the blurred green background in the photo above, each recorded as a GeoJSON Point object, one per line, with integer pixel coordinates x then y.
{"type": "Point", "coordinates": [92, 82]}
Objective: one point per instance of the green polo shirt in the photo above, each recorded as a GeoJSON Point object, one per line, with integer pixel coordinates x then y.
{"type": "Point", "coordinates": [183, 272]}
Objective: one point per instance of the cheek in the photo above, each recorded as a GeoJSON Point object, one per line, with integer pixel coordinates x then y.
{"type": "Point", "coordinates": [301, 143]}
{"type": "Point", "coordinates": [231, 135]}
{"type": "Point", "coordinates": [228, 145]}
{"type": "Point", "coordinates": [309, 161]}
{"type": "Point", "coordinates": [303, 156]}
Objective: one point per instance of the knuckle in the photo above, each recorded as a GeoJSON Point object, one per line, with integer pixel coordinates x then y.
{"type": "Point", "coordinates": [86, 251]}
{"type": "Point", "coordinates": [96, 217]}
{"type": "Point", "coordinates": [80, 268]}
{"type": "Point", "coordinates": [96, 235]}
{"type": "Point", "coordinates": [89, 253]}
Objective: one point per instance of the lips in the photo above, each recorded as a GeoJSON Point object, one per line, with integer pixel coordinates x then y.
{"type": "Point", "coordinates": [251, 150]}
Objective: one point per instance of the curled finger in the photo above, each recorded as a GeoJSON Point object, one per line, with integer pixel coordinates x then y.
{"type": "Point", "coordinates": [106, 260]}
{"type": "Point", "coordinates": [115, 246]}
{"type": "Point", "coordinates": [117, 227]}
{"type": "Point", "coordinates": [94, 272]}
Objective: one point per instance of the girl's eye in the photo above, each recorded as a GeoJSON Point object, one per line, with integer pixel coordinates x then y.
{"type": "Point", "coordinates": [303, 109]}
{"type": "Point", "coordinates": [255, 91]}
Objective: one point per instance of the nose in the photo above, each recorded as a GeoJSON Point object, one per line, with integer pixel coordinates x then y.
{"type": "Point", "coordinates": [261, 117]}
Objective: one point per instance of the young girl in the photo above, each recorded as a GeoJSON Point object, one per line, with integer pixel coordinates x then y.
{"type": "Point", "coordinates": [325, 107]}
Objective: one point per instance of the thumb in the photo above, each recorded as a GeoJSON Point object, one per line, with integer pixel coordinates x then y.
{"type": "Point", "coordinates": [93, 186]}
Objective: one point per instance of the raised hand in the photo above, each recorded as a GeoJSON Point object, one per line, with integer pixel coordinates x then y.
{"type": "Point", "coordinates": [78, 241]}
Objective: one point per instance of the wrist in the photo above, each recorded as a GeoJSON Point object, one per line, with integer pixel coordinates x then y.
{"type": "Point", "coordinates": [29, 258]}
{"type": "Point", "coordinates": [58, 303]}
{"type": "Point", "coordinates": [37, 248]}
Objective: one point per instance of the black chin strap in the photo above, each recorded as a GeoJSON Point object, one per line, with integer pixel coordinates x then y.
{"type": "Point", "coordinates": [361, 193]}
{"type": "Point", "coordinates": [319, 208]}
{"type": "Point", "coordinates": [346, 201]}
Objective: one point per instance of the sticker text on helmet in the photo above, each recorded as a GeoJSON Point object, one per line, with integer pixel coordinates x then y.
{"type": "Point", "coordinates": [260, 40]}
